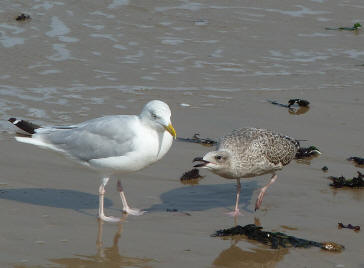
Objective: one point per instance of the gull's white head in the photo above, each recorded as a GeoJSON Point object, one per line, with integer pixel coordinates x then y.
{"type": "Point", "coordinates": [218, 162]}
{"type": "Point", "coordinates": [157, 114]}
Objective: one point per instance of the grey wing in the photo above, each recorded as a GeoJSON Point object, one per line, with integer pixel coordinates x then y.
{"type": "Point", "coordinates": [98, 138]}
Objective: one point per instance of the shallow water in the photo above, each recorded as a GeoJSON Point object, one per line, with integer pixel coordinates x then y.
{"type": "Point", "coordinates": [215, 64]}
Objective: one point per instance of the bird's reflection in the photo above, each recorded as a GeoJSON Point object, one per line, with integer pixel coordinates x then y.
{"type": "Point", "coordinates": [105, 256]}
{"type": "Point", "coordinates": [261, 256]}
{"type": "Point", "coordinates": [298, 111]}
{"type": "Point", "coordinates": [305, 161]}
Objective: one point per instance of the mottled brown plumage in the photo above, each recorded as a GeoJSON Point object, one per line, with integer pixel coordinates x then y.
{"type": "Point", "coordinates": [258, 151]}
{"type": "Point", "coordinates": [250, 152]}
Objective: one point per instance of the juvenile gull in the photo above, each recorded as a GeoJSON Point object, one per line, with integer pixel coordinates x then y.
{"type": "Point", "coordinates": [249, 152]}
{"type": "Point", "coordinates": [112, 145]}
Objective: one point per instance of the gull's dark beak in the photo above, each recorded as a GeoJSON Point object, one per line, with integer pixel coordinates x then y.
{"type": "Point", "coordinates": [202, 164]}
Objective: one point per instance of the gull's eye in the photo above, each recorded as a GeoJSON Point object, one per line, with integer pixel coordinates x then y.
{"type": "Point", "coordinates": [218, 157]}
{"type": "Point", "coordinates": [154, 116]}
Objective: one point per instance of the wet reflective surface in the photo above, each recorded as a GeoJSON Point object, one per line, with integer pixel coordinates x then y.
{"type": "Point", "coordinates": [234, 256]}
{"type": "Point", "coordinates": [105, 256]}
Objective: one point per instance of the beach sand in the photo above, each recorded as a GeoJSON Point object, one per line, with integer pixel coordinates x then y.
{"type": "Point", "coordinates": [51, 203]}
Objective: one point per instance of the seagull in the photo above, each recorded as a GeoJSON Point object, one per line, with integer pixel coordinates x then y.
{"type": "Point", "coordinates": [111, 145]}
{"type": "Point", "coordinates": [249, 152]}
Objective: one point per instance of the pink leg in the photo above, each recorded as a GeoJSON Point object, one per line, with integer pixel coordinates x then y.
{"type": "Point", "coordinates": [126, 208]}
{"type": "Point", "coordinates": [236, 212]}
{"type": "Point", "coordinates": [101, 203]}
{"type": "Point", "coordinates": [263, 190]}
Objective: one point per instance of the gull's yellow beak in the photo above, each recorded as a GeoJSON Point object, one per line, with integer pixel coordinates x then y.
{"type": "Point", "coordinates": [171, 130]}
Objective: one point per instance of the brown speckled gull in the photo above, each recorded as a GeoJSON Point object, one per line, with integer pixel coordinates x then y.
{"type": "Point", "coordinates": [249, 152]}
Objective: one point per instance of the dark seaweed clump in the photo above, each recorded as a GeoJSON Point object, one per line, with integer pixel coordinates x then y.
{"type": "Point", "coordinates": [356, 228]}
{"type": "Point", "coordinates": [275, 239]}
{"type": "Point", "coordinates": [22, 17]}
{"type": "Point", "coordinates": [357, 160]}
{"type": "Point", "coordinates": [303, 106]}
{"type": "Point", "coordinates": [355, 27]}
{"type": "Point", "coordinates": [196, 139]}
{"type": "Point", "coordinates": [300, 102]}
{"type": "Point", "coordinates": [191, 177]}
{"type": "Point", "coordinates": [305, 152]}
{"type": "Point", "coordinates": [355, 182]}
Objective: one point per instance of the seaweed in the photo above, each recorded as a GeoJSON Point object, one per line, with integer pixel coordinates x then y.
{"type": "Point", "coordinates": [191, 177]}
{"type": "Point", "coordinates": [303, 106]}
{"type": "Point", "coordinates": [356, 228]}
{"type": "Point", "coordinates": [305, 152]}
{"type": "Point", "coordinates": [340, 182]}
{"type": "Point", "coordinates": [277, 103]}
{"type": "Point", "coordinates": [355, 27]}
{"type": "Point", "coordinates": [191, 174]}
{"type": "Point", "coordinates": [357, 160]}
{"type": "Point", "coordinates": [196, 139]}
{"type": "Point", "coordinates": [22, 17]}
{"type": "Point", "coordinates": [300, 102]}
{"type": "Point", "coordinates": [275, 240]}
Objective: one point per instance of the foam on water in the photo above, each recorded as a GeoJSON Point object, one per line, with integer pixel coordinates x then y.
{"type": "Point", "coordinates": [354, 53]}
{"type": "Point", "coordinates": [100, 13]}
{"type": "Point", "coordinates": [7, 38]}
{"type": "Point", "coordinates": [95, 27]}
{"type": "Point", "coordinates": [298, 13]}
{"type": "Point", "coordinates": [105, 36]}
{"type": "Point", "coordinates": [296, 55]}
{"type": "Point", "coordinates": [118, 3]}
{"type": "Point", "coordinates": [136, 47]}
{"type": "Point", "coordinates": [46, 5]}
{"type": "Point", "coordinates": [46, 72]}
{"type": "Point", "coordinates": [315, 35]}
{"type": "Point", "coordinates": [62, 53]}
{"type": "Point", "coordinates": [58, 28]}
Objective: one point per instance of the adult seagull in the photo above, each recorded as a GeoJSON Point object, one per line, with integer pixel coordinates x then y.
{"type": "Point", "coordinates": [112, 145]}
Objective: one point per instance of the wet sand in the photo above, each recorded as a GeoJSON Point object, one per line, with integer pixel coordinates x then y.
{"type": "Point", "coordinates": [215, 66]}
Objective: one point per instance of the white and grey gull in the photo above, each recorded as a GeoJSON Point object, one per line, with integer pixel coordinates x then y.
{"type": "Point", "coordinates": [112, 145]}
{"type": "Point", "coordinates": [249, 152]}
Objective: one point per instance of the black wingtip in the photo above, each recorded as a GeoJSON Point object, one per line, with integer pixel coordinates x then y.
{"type": "Point", "coordinates": [12, 119]}
{"type": "Point", "coordinates": [24, 125]}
